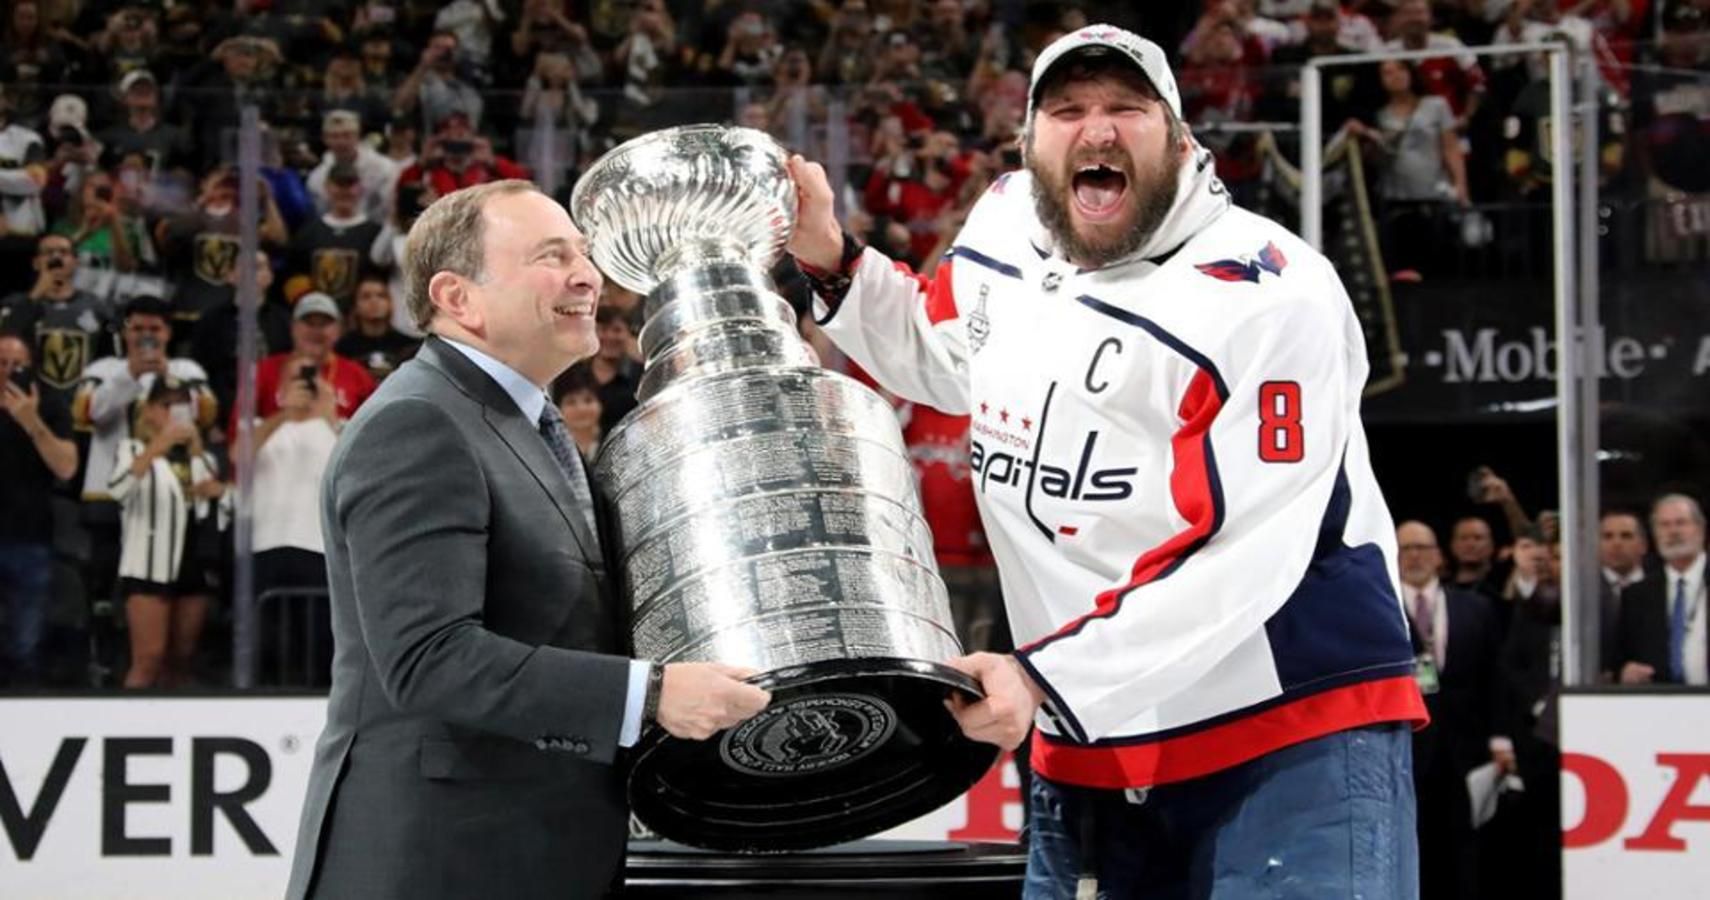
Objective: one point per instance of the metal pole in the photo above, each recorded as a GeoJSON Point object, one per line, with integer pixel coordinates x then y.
{"type": "Point", "coordinates": [1570, 355]}
{"type": "Point", "coordinates": [1587, 599]}
{"type": "Point", "coordinates": [837, 153]}
{"type": "Point", "coordinates": [1577, 368]}
{"type": "Point", "coordinates": [1349, 59]}
{"type": "Point", "coordinates": [1311, 129]}
{"type": "Point", "coordinates": [543, 149]}
{"type": "Point", "coordinates": [248, 299]}
{"type": "Point", "coordinates": [1311, 156]}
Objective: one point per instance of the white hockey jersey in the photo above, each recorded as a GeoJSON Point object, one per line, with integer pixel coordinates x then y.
{"type": "Point", "coordinates": [106, 403]}
{"type": "Point", "coordinates": [1197, 562]}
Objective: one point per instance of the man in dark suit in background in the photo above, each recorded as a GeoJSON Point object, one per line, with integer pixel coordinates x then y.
{"type": "Point", "coordinates": [480, 694]}
{"type": "Point", "coordinates": [1621, 551]}
{"type": "Point", "coordinates": [1457, 638]}
{"type": "Point", "coordinates": [1662, 635]}
{"type": "Point", "coordinates": [1521, 849]}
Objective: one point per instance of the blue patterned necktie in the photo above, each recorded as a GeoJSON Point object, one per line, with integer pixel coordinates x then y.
{"type": "Point", "coordinates": [569, 459]}
{"type": "Point", "coordinates": [1677, 634]}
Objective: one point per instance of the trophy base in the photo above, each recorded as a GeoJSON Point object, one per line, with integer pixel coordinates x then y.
{"type": "Point", "coordinates": [847, 749]}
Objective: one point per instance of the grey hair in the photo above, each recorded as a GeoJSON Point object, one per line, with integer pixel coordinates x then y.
{"type": "Point", "coordinates": [1696, 511]}
{"type": "Point", "coordinates": [450, 236]}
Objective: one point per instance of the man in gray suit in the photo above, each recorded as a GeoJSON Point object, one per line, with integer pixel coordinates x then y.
{"type": "Point", "coordinates": [480, 695]}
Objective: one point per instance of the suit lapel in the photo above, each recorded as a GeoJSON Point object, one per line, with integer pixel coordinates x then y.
{"type": "Point", "coordinates": [521, 436]}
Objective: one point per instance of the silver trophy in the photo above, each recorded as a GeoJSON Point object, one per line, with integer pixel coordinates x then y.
{"type": "Point", "coordinates": [767, 517]}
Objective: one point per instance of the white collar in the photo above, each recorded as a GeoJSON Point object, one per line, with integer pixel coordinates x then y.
{"type": "Point", "coordinates": [1693, 574]}
{"type": "Point", "coordinates": [1631, 578]}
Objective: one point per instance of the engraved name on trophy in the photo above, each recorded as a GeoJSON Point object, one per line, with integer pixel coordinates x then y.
{"type": "Point", "coordinates": [767, 516]}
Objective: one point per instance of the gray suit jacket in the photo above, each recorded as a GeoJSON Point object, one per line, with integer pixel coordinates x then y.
{"type": "Point", "coordinates": [478, 684]}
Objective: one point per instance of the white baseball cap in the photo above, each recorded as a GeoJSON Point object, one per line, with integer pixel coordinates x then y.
{"type": "Point", "coordinates": [1095, 40]}
{"type": "Point", "coordinates": [135, 77]}
{"type": "Point", "coordinates": [315, 303]}
{"type": "Point", "coordinates": [68, 111]}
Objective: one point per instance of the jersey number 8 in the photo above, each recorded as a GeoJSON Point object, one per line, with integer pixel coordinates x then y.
{"type": "Point", "coordinates": [1280, 437]}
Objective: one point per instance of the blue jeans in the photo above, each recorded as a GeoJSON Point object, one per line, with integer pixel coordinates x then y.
{"type": "Point", "coordinates": [1328, 819]}
{"type": "Point", "coordinates": [26, 574]}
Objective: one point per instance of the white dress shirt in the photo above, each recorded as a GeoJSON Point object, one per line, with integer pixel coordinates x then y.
{"type": "Point", "coordinates": [1620, 582]}
{"type": "Point", "coordinates": [531, 399]}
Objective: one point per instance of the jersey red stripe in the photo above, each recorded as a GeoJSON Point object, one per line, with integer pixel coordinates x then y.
{"type": "Point", "coordinates": [940, 297]}
{"type": "Point", "coordinates": [1394, 699]}
{"type": "Point", "coordinates": [1191, 489]}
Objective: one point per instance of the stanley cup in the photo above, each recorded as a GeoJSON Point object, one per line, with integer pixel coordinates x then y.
{"type": "Point", "coordinates": [766, 517]}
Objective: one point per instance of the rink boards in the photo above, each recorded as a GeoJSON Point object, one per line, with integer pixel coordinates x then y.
{"type": "Point", "coordinates": [121, 797]}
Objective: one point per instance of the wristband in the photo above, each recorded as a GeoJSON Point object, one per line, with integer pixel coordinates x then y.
{"type": "Point", "coordinates": [834, 285]}
{"type": "Point", "coordinates": [655, 686]}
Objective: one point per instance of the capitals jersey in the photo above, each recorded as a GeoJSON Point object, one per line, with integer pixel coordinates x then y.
{"type": "Point", "coordinates": [1169, 461]}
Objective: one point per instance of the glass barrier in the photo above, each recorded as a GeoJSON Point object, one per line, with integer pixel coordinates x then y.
{"type": "Point", "coordinates": [1445, 247]}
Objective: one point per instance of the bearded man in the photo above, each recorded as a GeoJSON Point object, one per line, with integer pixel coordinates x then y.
{"type": "Point", "coordinates": [1167, 451]}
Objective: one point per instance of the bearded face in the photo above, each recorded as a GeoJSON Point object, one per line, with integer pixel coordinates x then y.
{"type": "Point", "coordinates": [1105, 157]}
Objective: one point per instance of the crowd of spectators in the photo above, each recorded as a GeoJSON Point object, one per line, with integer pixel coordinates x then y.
{"type": "Point", "coordinates": [120, 191]}
{"type": "Point", "coordinates": [119, 137]}
{"type": "Point", "coordinates": [1485, 611]}
{"type": "Point", "coordinates": [120, 248]}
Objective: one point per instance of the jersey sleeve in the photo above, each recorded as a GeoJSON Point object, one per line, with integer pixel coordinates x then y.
{"type": "Point", "coordinates": [1262, 427]}
{"type": "Point", "coordinates": [903, 328]}
{"type": "Point", "coordinates": [25, 180]}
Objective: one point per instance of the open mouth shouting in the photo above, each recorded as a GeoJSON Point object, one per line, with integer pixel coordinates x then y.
{"type": "Point", "coordinates": [1098, 189]}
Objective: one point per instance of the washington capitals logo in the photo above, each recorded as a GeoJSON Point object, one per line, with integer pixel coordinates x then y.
{"type": "Point", "coordinates": [1270, 260]}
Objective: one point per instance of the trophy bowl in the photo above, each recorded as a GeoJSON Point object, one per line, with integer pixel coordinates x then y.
{"type": "Point", "coordinates": [681, 196]}
{"type": "Point", "coordinates": [765, 515]}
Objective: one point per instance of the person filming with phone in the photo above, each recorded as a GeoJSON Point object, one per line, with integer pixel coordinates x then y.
{"type": "Point", "coordinates": [66, 327]}
{"type": "Point", "coordinates": [106, 405]}
{"type": "Point", "coordinates": [168, 486]}
{"type": "Point", "coordinates": [456, 157]}
{"type": "Point", "coordinates": [303, 397]}
{"type": "Point", "coordinates": [35, 450]}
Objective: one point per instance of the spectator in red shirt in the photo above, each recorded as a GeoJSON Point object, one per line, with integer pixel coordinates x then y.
{"type": "Point", "coordinates": [915, 185]}
{"type": "Point", "coordinates": [302, 400]}
{"type": "Point", "coordinates": [342, 382]}
{"type": "Point", "coordinates": [1255, 35]}
{"type": "Point", "coordinates": [1218, 86]}
{"type": "Point", "coordinates": [938, 447]}
{"type": "Point", "coordinates": [456, 157]}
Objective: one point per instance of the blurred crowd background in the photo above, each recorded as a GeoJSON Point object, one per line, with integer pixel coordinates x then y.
{"type": "Point", "coordinates": [120, 252]}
